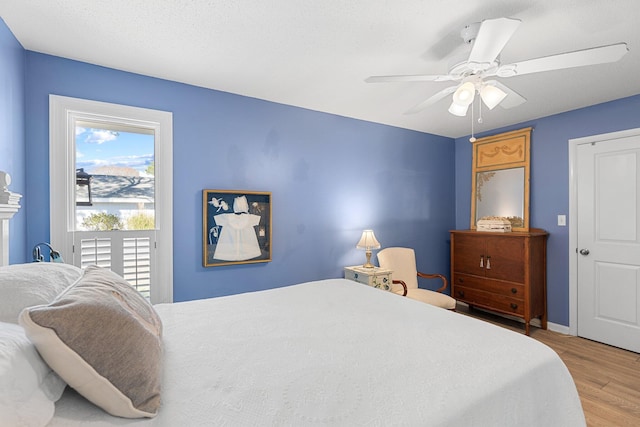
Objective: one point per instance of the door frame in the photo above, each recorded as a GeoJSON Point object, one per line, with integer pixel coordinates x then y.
{"type": "Point", "coordinates": [573, 216]}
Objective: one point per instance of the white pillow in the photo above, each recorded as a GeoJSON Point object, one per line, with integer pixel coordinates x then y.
{"type": "Point", "coordinates": [28, 387]}
{"type": "Point", "coordinates": [25, 285]}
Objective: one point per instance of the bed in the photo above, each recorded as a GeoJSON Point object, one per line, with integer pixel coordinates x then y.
{"type": "Point", "coordinates": [335, 352]}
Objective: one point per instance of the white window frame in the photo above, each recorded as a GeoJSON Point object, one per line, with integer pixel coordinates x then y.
{"type": "Point", "coordinates": [63, 113]}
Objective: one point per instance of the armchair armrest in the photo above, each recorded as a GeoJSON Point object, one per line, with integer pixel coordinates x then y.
{"type": "Point", "coordinates": [445, 283]}
{"type": "Point", "coordinates": [404, 285]}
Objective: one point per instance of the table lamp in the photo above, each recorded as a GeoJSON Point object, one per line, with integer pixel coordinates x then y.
{"type": "Point", "coordinates": [367, 242]}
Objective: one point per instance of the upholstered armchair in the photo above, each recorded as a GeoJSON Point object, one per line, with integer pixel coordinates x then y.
{"type": "Point", "coordinates": [402, 263]}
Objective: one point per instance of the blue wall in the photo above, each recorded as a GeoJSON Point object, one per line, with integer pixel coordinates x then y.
{"type": "Point", "coordinates": [12, 154]}
{"type": "Point", "coordinates": [549, 184]}
{"type": "Point", "coordinates": [330, 176]}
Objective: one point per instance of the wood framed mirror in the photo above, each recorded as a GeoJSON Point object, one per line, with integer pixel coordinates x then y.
{"type": "Point", "coordinates": [500, 178]}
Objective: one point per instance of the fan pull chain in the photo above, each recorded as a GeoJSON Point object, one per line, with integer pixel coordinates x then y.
{"type": "Point", "coordinates": [473, 138]}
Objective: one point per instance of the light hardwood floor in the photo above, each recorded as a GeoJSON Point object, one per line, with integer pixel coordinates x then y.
{"type": "Point", "coordinates": [607, 378]}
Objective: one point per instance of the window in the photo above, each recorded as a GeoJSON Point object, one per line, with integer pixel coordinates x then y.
{"type": "Point", "coordinates": [111, 190]}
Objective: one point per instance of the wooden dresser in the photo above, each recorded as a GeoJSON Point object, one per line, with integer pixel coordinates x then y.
{"type": "Point", "coordinates": [501, 272]}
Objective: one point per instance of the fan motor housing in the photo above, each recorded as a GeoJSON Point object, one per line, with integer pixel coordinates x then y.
{"type": "Point", "coordinates": [469, 32]}
{"type": "Point", "coordinates": [460, 66]}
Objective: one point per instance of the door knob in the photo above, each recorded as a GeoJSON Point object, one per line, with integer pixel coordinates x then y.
{"type": "Point", "coordinates": [584, 251]}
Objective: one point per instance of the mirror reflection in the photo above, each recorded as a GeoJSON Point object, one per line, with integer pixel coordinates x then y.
{"type": "Point", "coordinates": [499, 193]}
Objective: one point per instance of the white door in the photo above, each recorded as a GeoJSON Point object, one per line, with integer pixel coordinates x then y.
{"type": "Point", "coordinates": [608, 241]}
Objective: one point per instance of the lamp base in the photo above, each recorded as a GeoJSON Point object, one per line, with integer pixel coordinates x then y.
{"type": "Point", "coordinates": [368, 263]}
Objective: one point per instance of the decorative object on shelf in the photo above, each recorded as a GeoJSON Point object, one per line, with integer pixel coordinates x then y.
{"type": "Point", "coordinates": [368, 242]}
{"type": "Point", "coordinates": [7, 197]}
{"type": "Point", "coordinates": [9, 206]}
{"type": "Point", "coordinates": [236, 227]}
{"type": "Point", "coordinates": [494, 223]}
{"type": "Point", "coordinates": [54, 256]}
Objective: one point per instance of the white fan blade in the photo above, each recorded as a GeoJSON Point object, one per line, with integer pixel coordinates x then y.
{"type": "Point", "coordinates": [413, 78]}
{"type": "Point", "coordinates": [432, 100]}
{"type": "Point", "coordinates": [578, 58]}
{"type": "Point", "coordinates": [491, 39]}
{"type": "Point", "coordinates": [513, 98]}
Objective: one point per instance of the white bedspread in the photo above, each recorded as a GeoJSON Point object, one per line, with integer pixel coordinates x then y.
{"type": "Point", "coordinates": [335, 352]}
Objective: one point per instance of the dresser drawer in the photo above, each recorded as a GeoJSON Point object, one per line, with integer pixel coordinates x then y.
{"type": "Point", "coordinates": [489, 300]}
{"type": "Point", "coordinates": [508, 289]}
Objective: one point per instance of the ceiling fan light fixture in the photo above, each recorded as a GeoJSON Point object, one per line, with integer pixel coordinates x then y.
{"type": "Point", "coordinates": [492, 95]}
{"type": "Point", "coordinates": [458, 110]}
{"type": "Point", "coordinates": [464, 95]}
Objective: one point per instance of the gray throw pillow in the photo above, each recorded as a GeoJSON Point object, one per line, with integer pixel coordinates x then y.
{"type": "Point", "coordinates": [104, 339]}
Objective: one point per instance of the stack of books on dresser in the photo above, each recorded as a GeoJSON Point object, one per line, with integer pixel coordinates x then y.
{"type": "Point", "coordinates": [9, 198]}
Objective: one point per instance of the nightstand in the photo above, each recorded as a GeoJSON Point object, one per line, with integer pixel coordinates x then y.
{"type": "Point", "coordinates": [375, 276]}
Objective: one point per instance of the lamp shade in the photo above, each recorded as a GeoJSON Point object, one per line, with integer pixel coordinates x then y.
{"type": "Point", "coordinates": [458, 110]}
{"type": "Point", "coordinates": [368, 241]}
{"type": "Point", "coordinates": [464, 94]}
{"type": "Point", "coordinates": [492, 96]}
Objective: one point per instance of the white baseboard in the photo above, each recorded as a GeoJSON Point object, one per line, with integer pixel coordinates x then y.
{"type": "Point", "coordinates": [558, 328]}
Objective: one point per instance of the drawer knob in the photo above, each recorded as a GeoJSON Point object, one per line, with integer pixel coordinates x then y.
{"type": "Point", "coordinates": [514, 305]}
{"type": "Point", "coordinates": [461, 294]}
{"type": "Point", "coordinates": [460, 280]}
{"type": "Point", "coordinates": [514, 291]}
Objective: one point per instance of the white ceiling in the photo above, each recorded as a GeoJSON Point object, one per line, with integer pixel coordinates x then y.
{"type": "Point", "coordinates": [316, 53]}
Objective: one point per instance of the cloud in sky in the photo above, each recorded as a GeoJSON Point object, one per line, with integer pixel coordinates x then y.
{"type": "Point", "coordinates": [97, 136]}
{"type": "Point", "coordinates": [97, 147]}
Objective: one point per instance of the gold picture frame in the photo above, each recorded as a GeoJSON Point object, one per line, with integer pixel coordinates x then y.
{"type": "Point", "coordinates": [236, 227]}
{"type": "Point", "coordinates": [501, 167]}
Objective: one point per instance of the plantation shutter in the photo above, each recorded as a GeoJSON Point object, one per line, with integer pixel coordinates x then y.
{"type": "Point", "coordinates": [126, 252]}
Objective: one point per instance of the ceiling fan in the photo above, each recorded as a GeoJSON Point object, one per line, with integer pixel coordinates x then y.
{"type": "Point", "coordinates": [474, 73]}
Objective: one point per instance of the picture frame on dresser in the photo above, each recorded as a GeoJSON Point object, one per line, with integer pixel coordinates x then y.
{"type": "Point", "coordinates": [236, 227]}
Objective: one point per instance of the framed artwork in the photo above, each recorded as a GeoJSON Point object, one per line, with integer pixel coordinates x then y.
{"type": "Point", "coordinates": [236, 227]}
